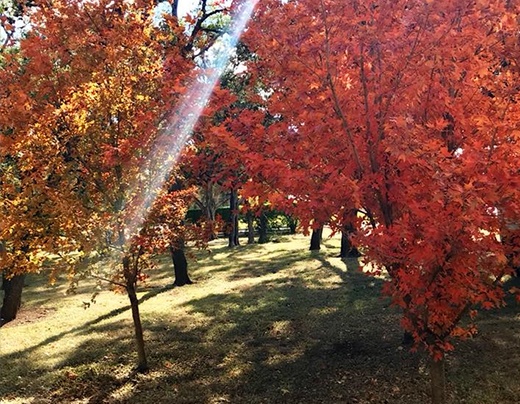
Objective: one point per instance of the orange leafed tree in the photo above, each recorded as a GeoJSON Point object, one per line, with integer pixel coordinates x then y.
{"type": "Point", "coordinates": [407, 112]}
{"type": "Point", "coordinates": [88, 92]}
{"type": "Point", "coordinates": [213, 160]}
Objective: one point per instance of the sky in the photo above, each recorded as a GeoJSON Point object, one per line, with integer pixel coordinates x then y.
{"type": "Point", "coordinates": [185, 6]}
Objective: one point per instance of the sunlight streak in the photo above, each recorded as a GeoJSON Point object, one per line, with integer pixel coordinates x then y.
{"type": "Point", "coordinates": [172, 140]}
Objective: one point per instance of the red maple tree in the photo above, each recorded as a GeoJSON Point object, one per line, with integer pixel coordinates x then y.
{"type": "Point", "coordinates": [406, 112]}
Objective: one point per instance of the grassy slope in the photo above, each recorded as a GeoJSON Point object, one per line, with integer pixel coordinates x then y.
{"type": "Point", "coordinates": [263, 324]}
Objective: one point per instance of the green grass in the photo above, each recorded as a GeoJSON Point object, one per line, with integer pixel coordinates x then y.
{"type": "Point", "coordinates": [267, 323]}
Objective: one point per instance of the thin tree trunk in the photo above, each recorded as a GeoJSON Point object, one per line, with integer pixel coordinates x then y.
{"type": "Point", "coordinates": [233, 219]}
{"type": "Point", "coordinates": [262, 239]}
{"type": "Point", "coordinates": [293, 224]}
{"type": "Point", "coordinates": [13, 288]}
{"type": "Point", "coordinates": [208, 207]}
{"type": "Point", "coordinates": [438, 381]}
{"type": "Point", "coordinates": [180, 265]}
{"type": "Point", "coordinates": [347, 249]}
{"type": "Point", "coordinates": [250, 228]}
{"type": "Point", "coordinates": [211, 217]}
{"type": "Point", "coordinates": [316, 239]}
{"type": "Point", "coordinates": [236, 239]}
{"type": "Point", "coordinates": [408, 339]}
{"type": "Point", "coordinates": [349, 228]}
{"type": "Point", "coordinates": [130, 273]}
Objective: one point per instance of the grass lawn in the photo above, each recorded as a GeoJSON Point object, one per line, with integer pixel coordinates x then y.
{"type": "Point", "coordinates": [269, 323]}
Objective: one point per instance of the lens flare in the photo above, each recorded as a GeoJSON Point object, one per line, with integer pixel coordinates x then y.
{"type": "Point", "coordinates": [174, 137]}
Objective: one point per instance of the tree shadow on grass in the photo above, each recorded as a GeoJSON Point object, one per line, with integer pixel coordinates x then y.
{"type": "Point", "coordinates": [491, 360]}
{"type": "Point", "coordinates": [276, 263]}
{"type": "Point", "coordinates": [281, 340]}
{"type": "Point", "coordinates": [88, 326]}
{"type": "Point", "coordinates": [287, 342]}
{"type": "Point", "coordinates": [241, 264]}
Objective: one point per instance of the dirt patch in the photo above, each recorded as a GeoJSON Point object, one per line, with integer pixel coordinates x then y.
{"type": "Point", "coordinates": [30, 315]}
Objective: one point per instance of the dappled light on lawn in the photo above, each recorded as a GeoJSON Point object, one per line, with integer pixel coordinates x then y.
{"type": "Point", "coordinates": [256, 327]}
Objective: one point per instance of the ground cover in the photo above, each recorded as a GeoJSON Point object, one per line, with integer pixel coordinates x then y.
{"type": "Point", "coordinates": [269, 323]}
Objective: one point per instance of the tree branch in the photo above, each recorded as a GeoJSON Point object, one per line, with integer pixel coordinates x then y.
{"type": "Point", "coordinates": [107, 280]}
{"type": "Point", "coordinates": [335, 99]}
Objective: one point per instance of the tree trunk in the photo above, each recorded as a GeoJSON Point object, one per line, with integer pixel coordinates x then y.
{"type": "Point", "coordinates": [175, 8]}
{"type": "Point", "coordinates": [250, 228]}
{"type": "Point", "coordinates": [438, 381]}
{"type": "Point", "coordinates": [408, 339]}
{"type": "Point", "coordinates": [349, 228]}
{"type": "Point", "coordinates": [130, 273]}
{"type": "Point", "coordinates": [12, 297]}
{"type": "Point", "coordinates": [180, 265]}
{"type": "Point", "coordinates": [316, 239]}
{"type": "Point", "coordinates": [233, 219]}
{"type": "Point", "coordinates": [293, 224]}
{"type": "Point", "coordinates": [347, 249]}
{"type": "Point", "coordinates": [211, 216]}
{"type": "Point", "coordinates": [262, 239]}
{"type": "Point", "coordinates": [209, 208]}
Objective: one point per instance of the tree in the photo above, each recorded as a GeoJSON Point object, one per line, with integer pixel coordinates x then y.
{"type": "Point", "coordinates": [316, 237]}
{"type": "Point", "coordinates": [262, 227]}
{"type": "Point", "coordinates": [90, 91]}
{"type": "Point", "coordinates": [212, 162]}
{"type": "Point", "coordinates": [347, 233]}
{"type": "Point", "coordinates": [89, 99]}
{"type": "Point", "coordinates": [12, 297]}
{"type": "Point", "coordinates": [36, 219]}
{"type": "Point", "coordinates": [233, 220]}
{"type": "Point", "coordinates": [250, 227]}
{"type": "Point", "coordinates": [167, 230]}
{"type": "Point", "coordinates": [407, 112]}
